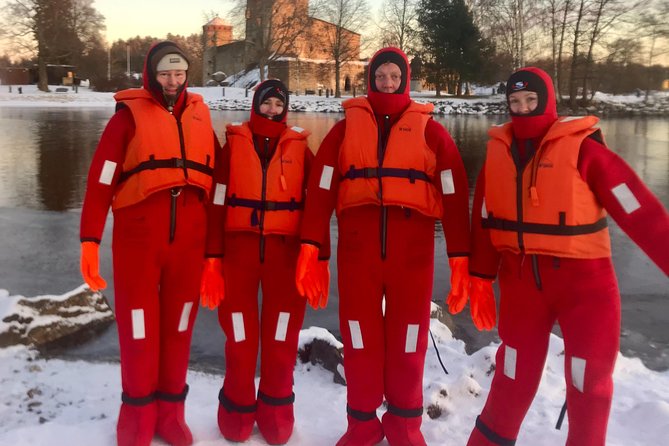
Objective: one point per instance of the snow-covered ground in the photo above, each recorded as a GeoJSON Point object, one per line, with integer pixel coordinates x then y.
{"type": "Point", "coordinates": [58, 403]}
{"type": "Point", "coordinates": [236, 98]}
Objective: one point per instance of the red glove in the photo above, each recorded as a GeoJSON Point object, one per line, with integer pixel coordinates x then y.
{"type": "Point", "coordinates": [482, 304]}
{"type": "Point", "coordinates": [212, 285]}
{"type": "Point", "coordinates": [457, 298]}
{"type": "Point", "coordinates": [308, 275]}
{"type": "Point", "coordinates": [90, 266]}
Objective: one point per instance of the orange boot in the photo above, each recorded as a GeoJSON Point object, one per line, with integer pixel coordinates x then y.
{"type": "Point", "coordinates": [171, 425]}
{"type": "Point", "coordinates": [364, 429]}
{"type": "Point", "coordinates": [136, 421]}
{"type": "Point", "coordinates": [402, 427]}
{"type": "Point", "coordinates": [275, 418]}
{"type": "Point", "coordinates": [235, 421]}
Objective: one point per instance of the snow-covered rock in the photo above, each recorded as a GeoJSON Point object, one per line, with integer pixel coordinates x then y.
{"type": "Point", "coordinates": [47, 322]}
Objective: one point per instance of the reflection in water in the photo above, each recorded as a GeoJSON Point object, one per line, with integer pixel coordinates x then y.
{"type": "Point", "coordinates": [46, 153]}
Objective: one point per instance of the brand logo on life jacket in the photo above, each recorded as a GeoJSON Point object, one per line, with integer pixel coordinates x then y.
{"type": "Point", "coordinates": [404, 128]}
{"type": "Point", "coordinates": [286, 160]}
{"type": "Point", "coordinates": [520, 85]}
{"type": "Point", "coordinates": [546, 164]}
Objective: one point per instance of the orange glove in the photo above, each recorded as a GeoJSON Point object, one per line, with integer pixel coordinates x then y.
{"type": "Point", "coordinates": [324, 284]}
{"type": "Point", "coordinates": [459, 294]}
{"type": "Point", "coordinates": [482, 304]}
{"type": "Point", "coordinates": [308, 277]}
{"type": "Point", "coordinates": [212, 285]}
{"type": "Point", "coordinates": [90, 266]}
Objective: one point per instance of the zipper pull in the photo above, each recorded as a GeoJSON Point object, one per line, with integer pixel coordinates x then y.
{"type": "Point", "coordinates": [534, 195]}
{"type": "Point", "coordinates": [284, 185]}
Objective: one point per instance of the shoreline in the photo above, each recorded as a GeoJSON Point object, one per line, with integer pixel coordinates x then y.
{"type": "Point", "coordinates": [239, 99]}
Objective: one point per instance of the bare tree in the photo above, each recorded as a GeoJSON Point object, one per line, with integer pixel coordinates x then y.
{"type": "Point", "coordinates": [272, 27]}
{"type": "Point", "coordinates": [398, 23]}
{"type": "Point", "coordinates": [603, 16]}
{"type": "Point", "coordinates": [655, 26]}
{"type": "Point", "coordinates": [342, 41]}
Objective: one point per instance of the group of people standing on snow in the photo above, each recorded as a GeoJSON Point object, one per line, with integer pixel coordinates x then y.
{"type": "Point", "coordinates": [194, 221]}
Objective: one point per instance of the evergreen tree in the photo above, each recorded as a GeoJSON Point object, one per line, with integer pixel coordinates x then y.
{"type": "Point", "coordinates": [453, 47]}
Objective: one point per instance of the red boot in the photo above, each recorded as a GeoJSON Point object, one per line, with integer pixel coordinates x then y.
{"type": "Point", "coordinates": [171, 425]}
{"type": "Point", "coordinates": [402, 427]}
{"type": "Point", "coordinates": [364, 429]}
{"type": "Point", "coordinates": [234, 421]}
{"type": "Point", "coordinates": [275, 418]}
{"type": "Point", "coordinates": [136, 421]}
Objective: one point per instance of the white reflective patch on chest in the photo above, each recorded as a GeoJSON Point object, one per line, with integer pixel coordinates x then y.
{"type": "Point", "coordinates": [447, 185]}
{"type": "Point", "coordinates": [236, 123]}
{"type": "Point", "coordinates": [484, 211]}
{"type": "Point", "coordinates": [626, 198]}
{"type": "Point", "coordinates": [219, 194]}
{"type": "Point", "coordinates": [510, 358]}
{"type": "Point", "coordinates": [107, 173]}
{"type": "Point", "coordinates": [578, 372]}
{"type": "Point", "coordinates": [297, 129]}
{"type": "Point", "coordinates": [326, 177]}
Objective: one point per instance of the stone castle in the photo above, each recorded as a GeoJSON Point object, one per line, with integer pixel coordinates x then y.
{"type": "Point", "coordinates": [304, 62]}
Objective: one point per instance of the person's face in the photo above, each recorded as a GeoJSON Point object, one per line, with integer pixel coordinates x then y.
{"type": "Point", "coordinates": [388, 77]}
{"type": "Point", "coordinates": [523, 102]}
{"type": "Point", "coordinates": [171, 80]}
{"type": "Point", "coordinates": [271, 107]}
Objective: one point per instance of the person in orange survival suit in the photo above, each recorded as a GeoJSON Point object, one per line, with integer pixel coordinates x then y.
{"type": "Point", "coordinates": [154, 167]}
{"type": "Point", "coordinates": [539, 220]}
{"type": "Point", "coordinates": [254, 240]}
{"type": "Point", "coordinates": [390, 171]}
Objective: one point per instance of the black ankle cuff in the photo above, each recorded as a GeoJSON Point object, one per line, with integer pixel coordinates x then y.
{"type": "Point", "coordinates": [492, 435]}
{"type": "Point", "coordinates": [360, 415]}
{"type": "Point", "coordinates": [232, 407]}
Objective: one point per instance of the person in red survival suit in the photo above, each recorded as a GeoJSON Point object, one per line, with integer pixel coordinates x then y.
{"type": "Point", "coordinates": [154, 167]}
{"type": "Point", "coordinates": [254, 241]}
{"type": "Point", "coordinates": [539, 221]}
{"type": "Point", "coordinates": [391, 172]}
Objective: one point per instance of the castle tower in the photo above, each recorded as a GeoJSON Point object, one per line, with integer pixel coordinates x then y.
{"type": "Point", "coordinates": [216, 33]}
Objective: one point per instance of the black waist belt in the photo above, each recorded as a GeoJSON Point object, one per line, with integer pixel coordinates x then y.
{"type": "Point", "coordinates": [260, 205]}
{"type": "Point", "coordinates": [171, 163]}
{"type": "Point", "coordinates": [540, 228]}
{"type": "Point", "coordinates": [380, 172]}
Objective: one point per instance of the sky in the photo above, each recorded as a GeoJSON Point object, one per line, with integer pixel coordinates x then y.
{"type": "Point", "coordinates": [60, 403]}
{"type": "Point", "coordinates": [129, 18]}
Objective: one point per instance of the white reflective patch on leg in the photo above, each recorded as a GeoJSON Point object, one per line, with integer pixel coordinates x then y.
{"type": "Point", "coordinates": [238, 327]}
{"type": "Point", "coordinates": [626, 198]}
{"type": "Point", "coordinates": [138, 330]}
{"type": "Point", "coordinates": [510, 357]}
{"type": "Point", "coordinates": [107, 173]}
{"type": "Point", "coordinates": [282, 326]}
{"type": "Point", "coordinates": [326, 177]}
{"type": "Point", "coordinates": [342, 371]}
{"type": "Point", "coordinates": [578, 372]}
{"type": "Point", "coordinates": [484, 211]}
{"type": "Point", "coordinates": [219, 194]}
{"type": "Point", "coordinates": [185, 315]}
{"type": "Point", "coordinates": [447, 185]}
{"type": "Point", "coordinates": [356, 335]}
{"type": "Point", "coordinates": [412, 338]}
